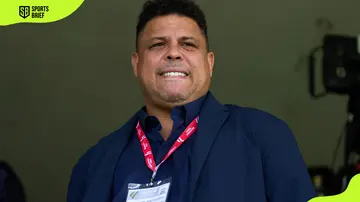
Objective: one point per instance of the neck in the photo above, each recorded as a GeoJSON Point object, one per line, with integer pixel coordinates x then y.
{"type": "Point", "coordinates": [164, 117]}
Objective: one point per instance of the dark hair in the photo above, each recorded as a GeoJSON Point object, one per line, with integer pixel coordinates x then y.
{"type": "Point", "coordinates": [187, 8]}
{"type": "Point", "coordinates": [11, 187]}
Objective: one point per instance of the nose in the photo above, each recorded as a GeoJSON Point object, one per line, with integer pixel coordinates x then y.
{"type": "Point", "coordinates": [172, 57]}
{"type": "Point", "coordinates": [173, 54]}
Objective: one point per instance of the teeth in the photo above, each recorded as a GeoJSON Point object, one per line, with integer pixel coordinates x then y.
{"type": "Point", "coordinates": [174, 74]}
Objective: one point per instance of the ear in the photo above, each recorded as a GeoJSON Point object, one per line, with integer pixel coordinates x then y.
{"type": "Point", "coordinates": [135, 62]}
{"type": "Point", "coordinates": [211, 60]}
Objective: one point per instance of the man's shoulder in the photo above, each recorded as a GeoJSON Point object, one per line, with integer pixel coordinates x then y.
{"type": "Point", "coordinates": [108, 139]}
{"type": "Point", "coordinates": [259, 127]}
{"type": "Point", "coordinates": [116, 137]}
{"type": "Point", "coordinates": [252, 115]}
{"type": "Point", "coordinates": [96, 151]}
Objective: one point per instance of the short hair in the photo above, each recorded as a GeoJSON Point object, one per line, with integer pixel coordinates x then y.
{"type": "Point", "coordinates": [156, 8]}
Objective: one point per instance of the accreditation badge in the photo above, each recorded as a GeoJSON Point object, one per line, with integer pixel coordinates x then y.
{"type": "Point", "coordinates": [152, 192]}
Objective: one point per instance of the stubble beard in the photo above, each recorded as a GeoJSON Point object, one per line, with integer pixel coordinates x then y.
{"type": "Point", "coordinates": [174, 98]}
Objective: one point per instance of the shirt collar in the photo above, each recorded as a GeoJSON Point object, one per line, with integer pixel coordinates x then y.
{"type": "Point", "coordinates": [192, 109]}
{"type": "Point", "coordinates": [186, 113]}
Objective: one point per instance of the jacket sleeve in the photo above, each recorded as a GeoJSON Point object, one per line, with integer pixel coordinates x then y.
{"type": "Point", "coordinates": [285, 172]}
{"type": "Point", "coordinates": [78, 178]}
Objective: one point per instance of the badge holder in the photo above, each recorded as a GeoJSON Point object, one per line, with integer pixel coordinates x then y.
{"type": "Point", "coordinates": [157, 191]}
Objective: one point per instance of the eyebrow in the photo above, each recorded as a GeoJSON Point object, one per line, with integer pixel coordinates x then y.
{"type": "Point", "coordinates": [163, 38]}
{"type": "Point", "coordinates": [184, 38]}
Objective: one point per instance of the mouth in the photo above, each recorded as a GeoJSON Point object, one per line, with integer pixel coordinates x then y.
{"type": "Point", "coordinates": [174, 74]}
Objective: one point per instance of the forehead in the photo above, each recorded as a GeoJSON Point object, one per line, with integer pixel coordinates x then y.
{"type": "Point", "coordinates": [171, 25]}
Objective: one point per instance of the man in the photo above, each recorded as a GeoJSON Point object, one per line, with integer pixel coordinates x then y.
{"type": "Point", "coordinates": [183, 145]}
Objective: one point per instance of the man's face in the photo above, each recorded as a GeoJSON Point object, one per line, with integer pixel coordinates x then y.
{"type": "Point", "coordinates": [172, 62]}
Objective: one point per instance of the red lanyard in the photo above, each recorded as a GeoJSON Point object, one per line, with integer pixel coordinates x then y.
{"type": "Point", "coordinates": [148, 155]}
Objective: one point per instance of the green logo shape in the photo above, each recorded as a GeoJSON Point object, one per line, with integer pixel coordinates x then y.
{"type": "Point", "coordinates": [351, 194]}
{"type": "Point", "coordinates": [36, 11]}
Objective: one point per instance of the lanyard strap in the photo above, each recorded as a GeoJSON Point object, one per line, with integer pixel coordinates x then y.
{"type": "Point", "coordinates": [146, 148]}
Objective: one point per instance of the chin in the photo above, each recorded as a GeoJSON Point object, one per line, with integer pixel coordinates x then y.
{"type": "Point", "coordinates": [174, 97]}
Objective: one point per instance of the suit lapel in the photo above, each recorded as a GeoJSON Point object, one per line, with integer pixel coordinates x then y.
{"type": "Point", "coordinates": [101, 185]}
{"type": "Point", "coordinates": [212, 117]}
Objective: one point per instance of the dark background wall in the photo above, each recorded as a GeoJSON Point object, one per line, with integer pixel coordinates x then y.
{"type": "Point", "coordinates": [66, 84]}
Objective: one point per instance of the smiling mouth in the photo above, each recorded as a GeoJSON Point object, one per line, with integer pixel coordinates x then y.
{"type": "Point", "coordinates": [174, 74]}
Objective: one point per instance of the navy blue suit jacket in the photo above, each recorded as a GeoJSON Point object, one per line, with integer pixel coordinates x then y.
{"type": "Point", "coordinates": [240, 155]}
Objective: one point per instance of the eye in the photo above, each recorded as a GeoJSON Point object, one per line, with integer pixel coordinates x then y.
{"type": "Point", "coordinates": [189, 44]}
{"type": "Point", "coordinates": [157, 45]}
